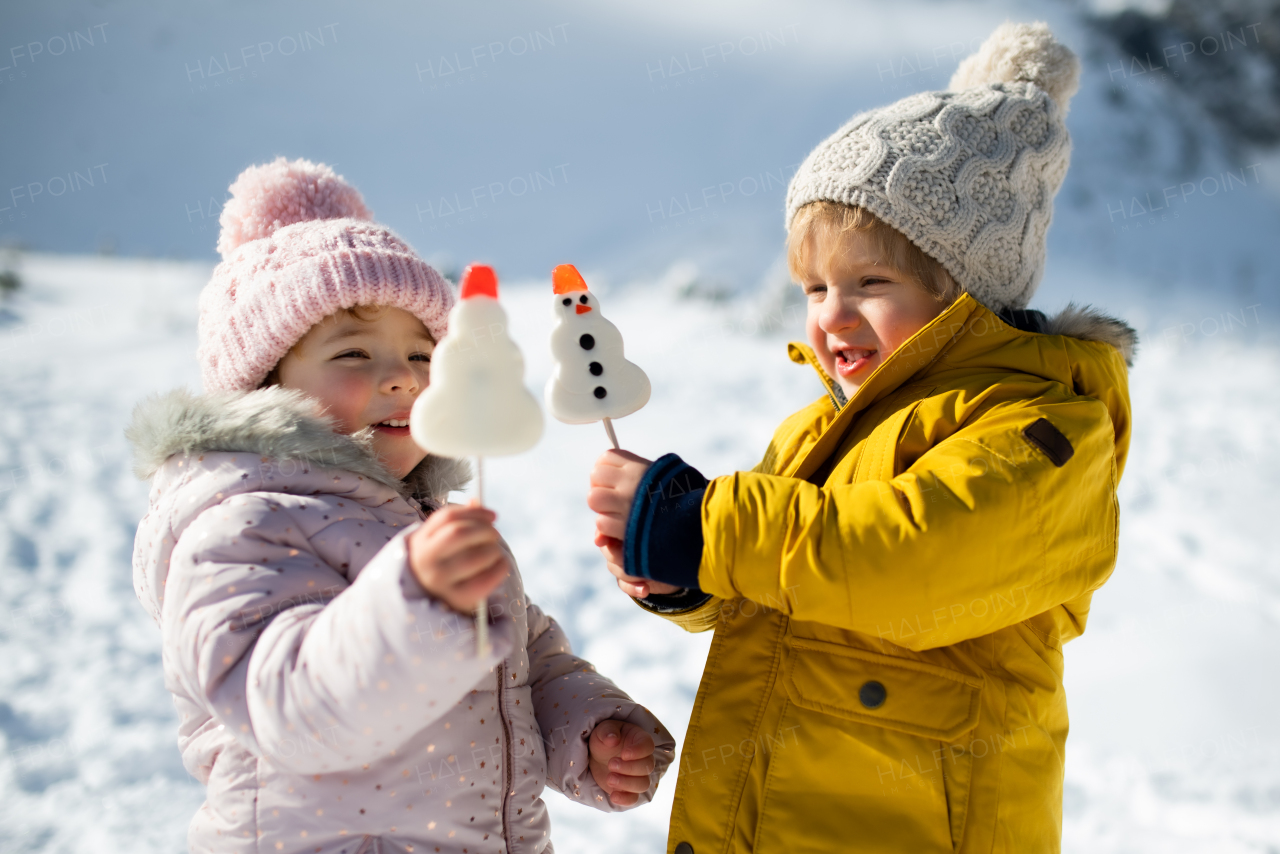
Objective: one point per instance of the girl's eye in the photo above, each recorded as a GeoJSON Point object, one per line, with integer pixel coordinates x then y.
{"type": "Point", "coordinates": [814, 290]}
{"type": "Point", "coordinates": [420, 357]}
{"type": "Point", "coordinates": [352, 354]}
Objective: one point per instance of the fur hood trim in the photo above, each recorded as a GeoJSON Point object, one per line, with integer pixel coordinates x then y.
{"type": "Point", "coordinates": [1089, 324]}
{"type": "Point", "coordinates": [272, 422]}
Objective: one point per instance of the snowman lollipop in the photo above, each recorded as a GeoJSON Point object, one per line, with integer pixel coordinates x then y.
{"type": "Point", "coordinates": [592, 381]}
{"type": "Point", "coordinates": [476, 404]}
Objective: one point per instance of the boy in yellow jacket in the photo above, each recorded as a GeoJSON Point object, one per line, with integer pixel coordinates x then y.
{"type": "Point", "coordinates": [892, 585]}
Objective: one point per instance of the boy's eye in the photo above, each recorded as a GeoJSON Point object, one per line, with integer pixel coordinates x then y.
{"type": "Point", "coordinates": [420, 357]}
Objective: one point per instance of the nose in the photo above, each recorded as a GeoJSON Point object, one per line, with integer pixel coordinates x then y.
{"type": "Point", "coordinates": [399, 377]}
{"type": "Point", "coordinates": [838, 314]}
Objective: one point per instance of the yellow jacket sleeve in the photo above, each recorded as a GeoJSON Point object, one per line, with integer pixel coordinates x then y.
{"type": "Point", "coordinates": [981, 531]}
{"type": "Point", "coordinates": [700, 619]}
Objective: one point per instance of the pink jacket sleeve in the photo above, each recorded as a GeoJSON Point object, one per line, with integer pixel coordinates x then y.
{"type": "Point", "coordinates": [285, 651]}
{"type": "Point", "coordinates": [569, 699]}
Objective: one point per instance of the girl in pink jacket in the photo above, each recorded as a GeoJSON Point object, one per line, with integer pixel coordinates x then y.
{"type": "Point", "coordinates": [316, 631]}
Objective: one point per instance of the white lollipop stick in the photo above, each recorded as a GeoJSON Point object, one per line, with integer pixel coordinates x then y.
{"type": "Point", "coordinates": [482, 607]}
{"type": "Point", "coordinates": [476, 405]}
{"type": "Point", "coordinates": [613, 437]}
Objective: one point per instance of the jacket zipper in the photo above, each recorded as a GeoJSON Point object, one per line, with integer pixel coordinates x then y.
{"type": "Point", "coordinates": [509, 776]}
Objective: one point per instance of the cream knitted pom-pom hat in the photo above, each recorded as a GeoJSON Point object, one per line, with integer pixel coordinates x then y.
{"type": "Point", "coordinates": [968, 175]}
{"type": "Point", "coordinates": [297, 245]}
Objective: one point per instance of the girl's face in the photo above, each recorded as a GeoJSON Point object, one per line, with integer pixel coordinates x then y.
{"type": "Point", "coordinates": [859, 311]}
{"type": "Point", "coordinates": [366, 373]}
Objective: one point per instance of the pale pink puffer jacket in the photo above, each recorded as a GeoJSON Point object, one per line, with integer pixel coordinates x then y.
{"type": "Point", "coordinates": [326, 701]}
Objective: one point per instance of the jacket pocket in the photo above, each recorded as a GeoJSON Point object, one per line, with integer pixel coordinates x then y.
{"type": "Point", "coordinates": [876, 740]}
{"type": "Point", "coordinates": [869, 687]}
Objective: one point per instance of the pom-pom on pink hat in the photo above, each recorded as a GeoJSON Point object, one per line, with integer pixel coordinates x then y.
{"type": "Point", "coordinates": [297, 245]}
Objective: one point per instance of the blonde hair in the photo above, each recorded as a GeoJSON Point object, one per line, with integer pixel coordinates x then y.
{"type": "Point", "coordinates": [363, 313]}
{"type": "Point", "coordinates": [833, 220]}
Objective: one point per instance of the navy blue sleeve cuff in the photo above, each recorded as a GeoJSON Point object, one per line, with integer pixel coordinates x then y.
{"type": "Point", "coordinates": [664, 531]}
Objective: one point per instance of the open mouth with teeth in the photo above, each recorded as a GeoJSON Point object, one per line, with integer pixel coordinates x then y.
{"type": "Point", "coordinates": [393, 427]}
{"type": "Point", "coordinates": [853, 359]}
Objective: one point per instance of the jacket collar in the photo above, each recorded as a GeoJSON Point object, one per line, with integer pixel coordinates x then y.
{"type": "Point", "coordinates": [1079, 346]}
{"type": "Point", "coordinates": [276, 423]}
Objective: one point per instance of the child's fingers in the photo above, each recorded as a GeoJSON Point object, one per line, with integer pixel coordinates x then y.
{"type": "Point", "coordinates": [454, 513]}
{"type": "Point", "coordinates": [468, 594]}
{"type": "Point", "coordinates": [626, 784]}
{"type": "Point", "coordinates": [475, 560]}
{"type": "Point", "coordinates": [635, 591]}
{"type": "Point", "coordinates": [617, 459]}
{"type": "Point", "coordinates": [458, 537]}
{"type": "Point", "coordinates": [606, 476]}
{"type": "Point", "coordinates": [636, 743]}
{"type": "Point", "coordinates": [605, 742]}
{"type": "Point", "coordinates": [612, 550]}
{"type": "Point", "coordinates": [632, 768]}
{"type": "Point", "coordinates": [604, 500]}
{"type": "Point", "coordinates": [613, 527]}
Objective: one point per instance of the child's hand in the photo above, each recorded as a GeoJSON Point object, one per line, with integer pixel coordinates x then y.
{"type": "Point", "coordinates": [621, 760]}
{"type": "Point", "coordinates": [632, 585]}
{"type": "Point", "coordinates": [456, 557]}
{"type": "Point", "coordinates": [614, 480]}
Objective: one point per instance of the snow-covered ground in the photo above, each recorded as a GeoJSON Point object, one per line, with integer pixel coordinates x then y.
{"type": "Point", "coordinates": [1172, 688]}
{"type": "Point", "coordinates": [1160, 220]}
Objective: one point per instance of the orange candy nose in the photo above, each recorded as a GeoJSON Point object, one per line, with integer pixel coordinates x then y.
{"type": "Point", "coordinates": [582, 309]}
{"type": "Point", "coordinates": [566, 278]}
{"type": "Point", "coordinates": [479, 280]}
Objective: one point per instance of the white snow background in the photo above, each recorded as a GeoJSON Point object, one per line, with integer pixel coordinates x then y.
{"type": "Point", "coordinates": [1173, 688]}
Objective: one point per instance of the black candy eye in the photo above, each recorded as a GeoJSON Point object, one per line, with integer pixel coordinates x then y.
{"type": "Point", "coordinates": [567, 301]}
{"type": "Point", "coordinates": [583, 299]}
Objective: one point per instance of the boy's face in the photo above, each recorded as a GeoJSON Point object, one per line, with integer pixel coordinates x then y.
{"type": "Point", "coordinates": [366, 374]}
{"type": "Point", "coordinates": [860, 311]}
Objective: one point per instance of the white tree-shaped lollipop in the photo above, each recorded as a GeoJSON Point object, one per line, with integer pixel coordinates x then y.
{"type": "Point", "coordinates": [592, 380]}
{"type": "Point", "coordinates": [477, 405]}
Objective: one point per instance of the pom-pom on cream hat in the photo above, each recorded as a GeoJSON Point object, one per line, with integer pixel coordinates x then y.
{"type": "Point", "coordinates": [969, 174]}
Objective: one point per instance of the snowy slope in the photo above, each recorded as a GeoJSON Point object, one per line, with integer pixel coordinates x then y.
{"type": "Point", "coordinates": [1170, 750]}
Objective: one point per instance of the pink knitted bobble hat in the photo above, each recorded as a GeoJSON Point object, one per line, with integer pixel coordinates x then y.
{"type": "Point", "coordinates": [298, 244]}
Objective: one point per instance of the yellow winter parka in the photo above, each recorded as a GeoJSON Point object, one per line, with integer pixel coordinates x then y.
{"type": "Point", "coordinates": [891, 589]}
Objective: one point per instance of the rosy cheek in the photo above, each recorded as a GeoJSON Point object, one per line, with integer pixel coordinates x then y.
{"type": "Point", "coordinates": [818, 340]}
{"type": "Point", "coordinates": [345, 398]}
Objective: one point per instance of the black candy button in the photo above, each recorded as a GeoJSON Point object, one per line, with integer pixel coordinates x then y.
{"type": "Point", "coordinates": [872, 694]}
{"type": "Point", "coordinates": [600, 392]}
{"type": "Point", "coordinates": [586, 342]}
{"type": "Point", "coordinates": [596, 369]}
